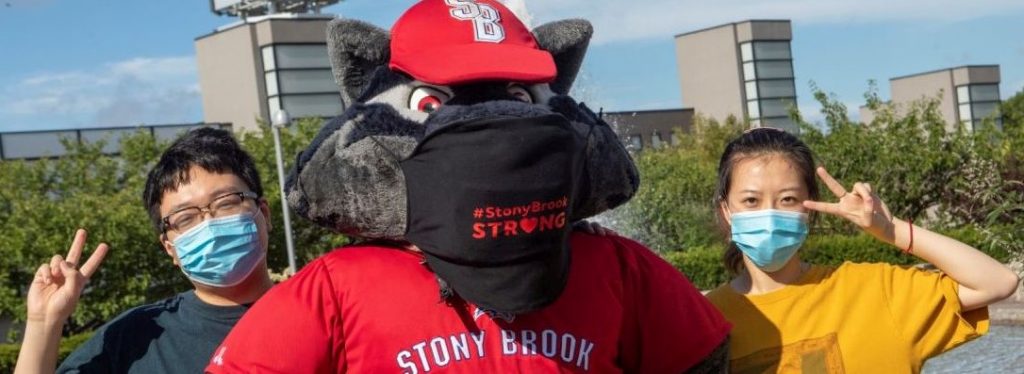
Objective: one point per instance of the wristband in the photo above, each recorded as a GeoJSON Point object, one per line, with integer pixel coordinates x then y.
{"type": "Point", "coordinates": [910, 247]}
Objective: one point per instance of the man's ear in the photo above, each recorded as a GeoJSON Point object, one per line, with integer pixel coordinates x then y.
{"type": "Point", "coordinates": [265, 209]}
{"type": "Point", "coordinates": [169, 249]}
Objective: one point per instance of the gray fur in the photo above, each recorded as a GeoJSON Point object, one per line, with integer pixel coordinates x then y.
{"type": "Point", "coordinates": [349, 179]}
{"type": "Point", "coordinates": [356, 49]}
{"type": "Point", "coordinates": [358, 187]}
{"type": "Point", "coordinates": [567, 40]}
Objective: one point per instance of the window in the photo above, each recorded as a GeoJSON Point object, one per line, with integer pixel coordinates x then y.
{"type": "Point", "coordinates": [298, 79]}
{"type": "Point", "coordinates": [963, 95]}
{"type": "Point", "coordinates": [111, 137]}
{"type": "Point", "coordinates": [985, 92]}
{"type": "Point", "coordinates": [965, 112]}
{"type": "Point", "coordinates": [300, 56]}
{"type": "Point", "coordinates": [307, 81]}
{"type": "Point", "coordinates": [312, 105]}
{"type": "Point", "coordinates": [271, 79]}
{"type": "Point", "coordinates": [772, 51]}
{"type": "Point", "coordinates": [984, 110]}
{"type": "Point", "coordinates": [656, 140]}
{"type": "Point", "coordinates": [784, 123]}
{"type": "Point", "coordinates": [775, 107]}
{"type": "Point", "coordinates": [751, 90]}
{"type": "Point", "coordinates": [635, 142]}
{"type": "Point", "coordinates": [753, 110]}
{"type": "Point", "coordinates": [977, 102]}
{"type": "Point", "coordinates": [776, 88]}
{"type": "Point", "coordinates": [768, 83]}
{"type": "Point", "coordinates": [746, 52]}
{"type": "Point", "coordinates": [774, 69]}
{"type": "Point", "coordinates": [748, 71]}
{"type": "Point", "coordinates": [268, 59]}
{"type": "Point", "coordinates": [35, 145]}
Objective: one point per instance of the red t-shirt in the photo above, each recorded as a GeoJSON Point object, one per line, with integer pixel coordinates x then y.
{"type": "Point", "coordinates": [371, 309]}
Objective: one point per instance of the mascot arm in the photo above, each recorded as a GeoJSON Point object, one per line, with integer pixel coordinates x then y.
{"type": "Point", "coordinates": [289, 330]}
{"type": "Point", "coordinates": [670, 327]}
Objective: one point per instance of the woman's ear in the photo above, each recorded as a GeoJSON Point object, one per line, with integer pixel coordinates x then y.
{"type": "Point", "coordinates": [723, 211]}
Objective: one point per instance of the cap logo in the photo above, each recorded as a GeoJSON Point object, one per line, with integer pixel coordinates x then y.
{"type": "Point", "coordinates": [486, 20]}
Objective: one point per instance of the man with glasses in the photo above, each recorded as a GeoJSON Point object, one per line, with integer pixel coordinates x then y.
{"type": "Point", "coordinates": [204, 197]}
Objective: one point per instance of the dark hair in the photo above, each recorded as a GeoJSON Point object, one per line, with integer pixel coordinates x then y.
{"type": "Point", "coordinates": [754, 143]}
{"type": "Point", "coordinates": [212, 149]}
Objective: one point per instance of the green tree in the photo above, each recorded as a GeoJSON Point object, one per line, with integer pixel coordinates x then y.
{"type": "Point", "coordinates": [43, 201]}
{"type": "Point", "coordinates": [963, 183]}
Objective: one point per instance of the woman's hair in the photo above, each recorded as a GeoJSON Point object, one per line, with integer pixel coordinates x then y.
{"type": "Point", "coordinates": [759, 142]}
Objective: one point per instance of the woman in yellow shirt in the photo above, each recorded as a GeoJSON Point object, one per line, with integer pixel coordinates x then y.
{"type": "Point", "coordinates": [791, 316]}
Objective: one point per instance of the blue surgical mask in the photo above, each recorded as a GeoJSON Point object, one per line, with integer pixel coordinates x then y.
{"type": "Point", "coordinates": [220, 252]}
{"type": "Point", "coordinates": [769, 238]}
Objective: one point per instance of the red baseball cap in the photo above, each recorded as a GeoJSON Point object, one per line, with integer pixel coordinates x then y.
{"type": "Point", "coordinates": [448, 42]}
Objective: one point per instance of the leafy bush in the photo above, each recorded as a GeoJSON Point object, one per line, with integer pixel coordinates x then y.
{"type": "Point", "coordinates": [42, 202]}
{"type": "Point", "coordinates": [9, 352]}
{"type": "Point", "coordinates": [703, 264]}
{"type": "Point", "coordinates": [969, 185]}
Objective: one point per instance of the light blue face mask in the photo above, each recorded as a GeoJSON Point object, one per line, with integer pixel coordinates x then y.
{"type": "Point", "coordinates": [769, 237]}
{"type": "Point", "coordinates": [220, 252]}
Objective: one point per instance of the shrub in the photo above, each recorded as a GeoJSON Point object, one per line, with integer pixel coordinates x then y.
{"type": "Point", "coordinates": [9, 352]}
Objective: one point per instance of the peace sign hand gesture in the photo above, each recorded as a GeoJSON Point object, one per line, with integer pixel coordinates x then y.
{"type": "Point", "coordinates": [860, 206]}
{"type": "Point", "coordinates": [54, 291]}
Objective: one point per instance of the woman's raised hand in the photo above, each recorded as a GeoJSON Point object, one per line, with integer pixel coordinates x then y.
{"type": "Point", "coordinates": [859, 205]}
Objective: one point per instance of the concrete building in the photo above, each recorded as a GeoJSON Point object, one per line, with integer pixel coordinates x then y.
{"type": "Point", "coordinates": [641, 129]}
{"type": "Point", "coordinates": [742, 69]}
{"type": "Point", "coordinates": [967, 94]}
{"type": "Point", "coordinates": [250, 69]}
{"type": "Point", "coordinates": [32, 145]}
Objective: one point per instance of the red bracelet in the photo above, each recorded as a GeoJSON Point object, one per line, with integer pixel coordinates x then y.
{"type": "Point", "coordinates": [910, 247]}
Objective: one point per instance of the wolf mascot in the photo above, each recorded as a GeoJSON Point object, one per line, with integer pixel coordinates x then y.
{"type": "Point", "coordinates": [461, 160]}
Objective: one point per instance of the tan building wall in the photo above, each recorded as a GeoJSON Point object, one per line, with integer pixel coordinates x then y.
{"type": "Point", "coordinates": [938, 83]}
{"type": "Point", "coordinates": [229, 78]}
{"type": "Point", "coordinates": [717, 66]}
{"type": "Point", "coordinates": [231, 74]}
{"type": "Point", "coordinates": [909, 89]}
{"type": "Point", "coordinates": [709, 72]}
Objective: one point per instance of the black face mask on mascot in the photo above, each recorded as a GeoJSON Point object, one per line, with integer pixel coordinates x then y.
{"type": "Point", "coordinates": [489, 202]}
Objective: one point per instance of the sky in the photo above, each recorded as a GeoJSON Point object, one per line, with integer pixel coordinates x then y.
{"type": "Point", "coordinates": [90, 63]}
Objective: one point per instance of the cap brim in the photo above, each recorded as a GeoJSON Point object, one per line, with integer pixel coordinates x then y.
{"type": "Point", "coordinates": [478, 62]}
{"type": "Point", "coordinates": [513, 288]}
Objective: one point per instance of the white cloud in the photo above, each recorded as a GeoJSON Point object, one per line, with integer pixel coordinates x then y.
{"type": "Point", "coordinates": [623, 20]}
{"type": "Point", "coordinates": [122, 93]}
{"type": "Point", "coordinates": [519, 8]}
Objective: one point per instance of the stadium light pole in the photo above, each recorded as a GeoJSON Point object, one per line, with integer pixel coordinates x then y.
{"type": "Point", "coordinates": [279, 121]}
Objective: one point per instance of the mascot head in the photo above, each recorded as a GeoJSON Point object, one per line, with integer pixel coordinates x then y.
{"type": "Point", "coordinates": [460, 138]}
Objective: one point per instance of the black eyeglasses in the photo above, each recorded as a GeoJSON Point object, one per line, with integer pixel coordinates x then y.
{"type": "Point", "coordinates": [183, 219]}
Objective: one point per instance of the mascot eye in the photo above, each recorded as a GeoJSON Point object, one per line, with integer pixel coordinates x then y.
{"type": "Point", "coordinates": [427, 99]}
{"type": "Point", "coordinates": [521, 93]}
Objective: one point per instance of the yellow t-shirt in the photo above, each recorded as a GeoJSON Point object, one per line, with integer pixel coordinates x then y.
{"type": "Point", "coordinates": [856, 318]}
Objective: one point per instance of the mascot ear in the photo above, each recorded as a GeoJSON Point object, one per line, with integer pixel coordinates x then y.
{"type": "Point", "coordinates": [567, 40]}
{"type": "Point", "coordinates": [356, 49]}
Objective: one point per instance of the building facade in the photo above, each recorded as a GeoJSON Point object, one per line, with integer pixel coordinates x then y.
{"type": "Point", "coordinates": [252, 68]}
{"type": "Point", "coordinates": [742, 69]}
{"type": "Point", "coordinates": [967, 94]}
{"type": "Point", "coordinates": [31, 145]}
{"type": "Point", "coordinates": [640, 129]}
